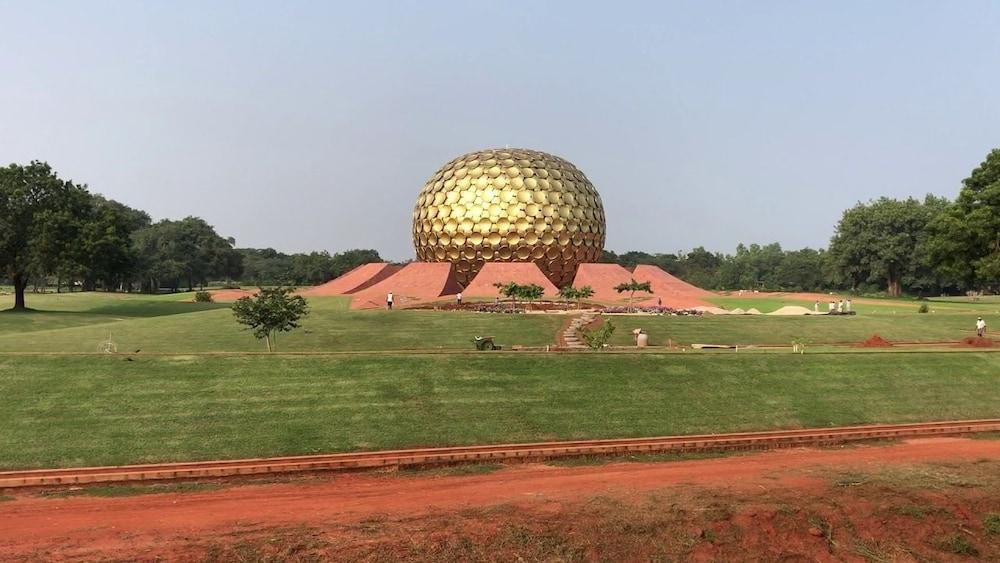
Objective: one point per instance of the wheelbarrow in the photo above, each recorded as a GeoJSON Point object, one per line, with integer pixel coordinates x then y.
{"type": "Point", "coordinates": [485, 343]}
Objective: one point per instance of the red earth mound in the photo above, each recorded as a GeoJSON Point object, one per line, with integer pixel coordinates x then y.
{"type": "Point", "coordinates": [977, 342]}
{"type": "Point", "coordinates": [667, 289]}
{"type": "Point", "coordinates": [674, 292]}
{"type": "Point", "coordinates": [603, 278]}
{"type": "Point", "coordinates": [876, 341]}
{"type": "Point", "coordinates": [504, 272]}
{"type": "Point", "coordinates": [415, 283]}
{"type": "Point", "coordinates": [364, 276]}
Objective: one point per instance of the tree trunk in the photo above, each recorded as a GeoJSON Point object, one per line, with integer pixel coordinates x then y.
{"type": "Point", "coordinates": [894, 288]}
{"type": "Point", "coordinates": [20, 284]}
{"type": "Point", "coordinates": [270, 347]}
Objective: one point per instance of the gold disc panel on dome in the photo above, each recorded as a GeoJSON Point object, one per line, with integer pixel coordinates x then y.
{"type": "Point", "coordinates": [509, 205]}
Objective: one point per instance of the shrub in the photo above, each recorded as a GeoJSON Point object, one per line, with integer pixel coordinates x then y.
{"type": "Point", "coordinates": [203, 297]}
{"type": "Point", "coordinates": [923, 308]}
{"type": "Point", "coordinates": [957, 544]}
{"type": "Point", "coordinates": [598, 339]}
{"type": "Point", "coordinates": [992, 523]}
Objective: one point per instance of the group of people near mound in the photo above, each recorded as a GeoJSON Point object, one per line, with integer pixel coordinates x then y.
{"type": "Point", "coordinates": [842, 307]}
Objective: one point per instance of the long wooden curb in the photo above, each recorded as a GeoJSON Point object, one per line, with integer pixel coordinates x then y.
{"type": "Point", "coordinates": [502, 452]}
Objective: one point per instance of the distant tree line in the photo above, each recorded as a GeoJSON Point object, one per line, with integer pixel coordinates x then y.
{"type": "Point", "coordinates": [886, 245]}
{"type": "Point", "coordinates": [56, 233]}
{"type": "Point", "coordinates": [266, 266]}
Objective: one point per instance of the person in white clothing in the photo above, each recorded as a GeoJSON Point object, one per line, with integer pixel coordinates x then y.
{"type": "Point", "coordinates": [388, 301]}
{"type": "Point", "coordinates": [458, 298]}
{"type": "Point", "coordinates": [980, 327]}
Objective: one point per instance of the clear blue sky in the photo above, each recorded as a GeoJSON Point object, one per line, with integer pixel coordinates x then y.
{"type": "Point", "coordinates": [314, 125]}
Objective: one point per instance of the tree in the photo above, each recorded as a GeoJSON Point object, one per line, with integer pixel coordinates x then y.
{"type": "Point", "coordinates": [571, 293]}
{"type": "Point", "coordinates": [269, 312]}
{"type": "Point", "coordinates": [40, 223]}
{"type": "Point", "coordinates": [187, 251]}
{"type": "Point", "coordinates": [633, 286]}
{"type": "Point", "coordinates": [515, 291]}
{"type": "Point", "coordinates": [965, 239]}
{"type": "Point", "coordinates": [531, 291]}
{"type": "Point", "coordinates": [878, 242]}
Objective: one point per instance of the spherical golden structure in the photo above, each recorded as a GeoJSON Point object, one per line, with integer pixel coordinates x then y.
{"type": "Point", "coordinates": [509, 205]}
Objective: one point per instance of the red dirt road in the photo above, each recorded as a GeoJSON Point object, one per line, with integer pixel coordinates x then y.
{"type": "Point", "coordinates": [143, 526]}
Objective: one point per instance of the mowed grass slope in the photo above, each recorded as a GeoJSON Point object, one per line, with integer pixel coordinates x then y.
{"type": "Point", "coordinates": [765, 329]}
{"type": "Point", "coordinates": [74, 411]}
{"type": "Point", "coordinates": [165, 324]}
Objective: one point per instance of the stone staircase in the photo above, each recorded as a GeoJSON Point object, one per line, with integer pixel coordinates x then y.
{"type": "Point", "coordinates": [571, 335]}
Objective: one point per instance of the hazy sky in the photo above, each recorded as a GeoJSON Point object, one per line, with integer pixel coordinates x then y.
{"type": "Point", "coordinates": [305, 126]}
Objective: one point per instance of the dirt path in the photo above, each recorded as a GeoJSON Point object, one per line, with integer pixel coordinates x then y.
{"type": "Point", "coordinates": [86, 526]}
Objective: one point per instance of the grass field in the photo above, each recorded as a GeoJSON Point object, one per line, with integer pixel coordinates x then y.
{"type": "Point", "coordinates": [79, 323]}
{"type": "Point", "coordinates": [59, 409]}
{"type": "Point", "coordinates": [66, 411]}
{"type": "Point", "coordinates": [762, 329]}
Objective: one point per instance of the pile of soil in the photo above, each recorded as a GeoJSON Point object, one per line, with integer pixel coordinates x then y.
{"type": "Point", "coordinates": [876, 341]}
{"type": "Point", "coordinates": [977, 342]}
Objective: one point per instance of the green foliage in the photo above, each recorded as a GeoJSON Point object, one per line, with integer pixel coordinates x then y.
{"type": "Point", "coordinates": [42, 222]}
{"type": "Point", "coordinates": [571, 293]}
{"type": "Point", "coordinates": [267, 266]}
{"type": "Point", "coordinates": [965, 239]}
{"type": "Point", "coordinates": [598, 339]}
{"type": "Point", "coordinates": [187, 252]}
{"type": "Point", "coordinates": [991, 523]}
{"type": "Point", "coordinates": [202, 297]}
{"type": "Point", "coordinates": [883, 242]}
{"type": "Point", "coordinates": [923, 307]}
{"type": "Point", "coordinates": [515, 291]}
{"type": "Point", "coordinates": [271, 311]}
{"type": "Point", "coordinates": [631, 287]}
{"type": "Point", "coordinates": [957, 544]}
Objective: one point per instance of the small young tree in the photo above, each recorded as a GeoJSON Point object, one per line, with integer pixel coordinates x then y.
{"type": "Point", "coordinates": [570, 293]}
{"type": "Point", "coordinates": [633, 286]}
{"type": "Point", "coordinates": [598, 339]}
{"type": "Point", "coordinates": [530, 292]}
{"type": "Point", "coordinates": [510, 290]}
{"type": "Point", "coordinates": [269, 312]}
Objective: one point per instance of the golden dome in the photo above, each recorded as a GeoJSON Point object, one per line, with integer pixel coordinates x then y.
{"type": "Point", "coordinates": [509, 205]}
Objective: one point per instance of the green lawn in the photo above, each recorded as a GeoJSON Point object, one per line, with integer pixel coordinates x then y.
{"type": "Point", "coordinates": [79, 323]}
{"type": "Point", "coordinates": [887, 306]}
{"type": "Point", "coordinates": [66, 411]}
{"type": "Point", "coordinates": [764, 329]}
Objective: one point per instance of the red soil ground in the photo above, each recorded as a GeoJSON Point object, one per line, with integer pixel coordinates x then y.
{"type": "Point", "coordinates": [976, 342]}
{"type": "Point", "coordinates": [876, 341]}
{"type": "Point", "coordinates": [603, 278]}
{"type": "Point", "coordinates": [365, 275]}
{"type": "Point", "coordinates": [503, 272]}
{"type": "Point", "coordinates": [674, 292]}
{"type": "Point", "coordinates": [415, 283]}
{"type": "Point", "coordinates": [925, 497]}
{"type": "Point", "coordinates": [230, 295]}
